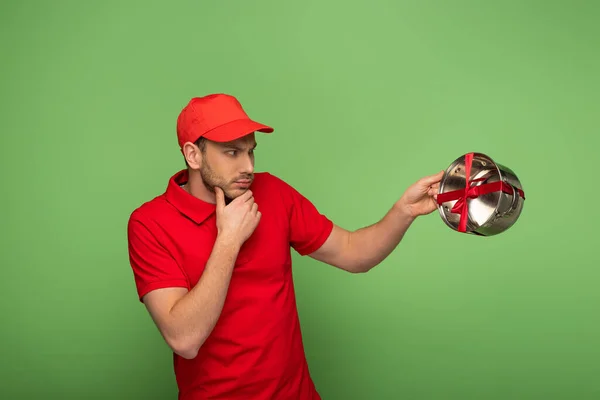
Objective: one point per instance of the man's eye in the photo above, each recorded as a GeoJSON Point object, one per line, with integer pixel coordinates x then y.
{"type": "Point", "coordinates": [231, 152]}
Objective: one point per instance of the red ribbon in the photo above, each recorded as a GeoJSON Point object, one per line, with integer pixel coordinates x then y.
{"type": "Point", "coordinates": [470, 192]}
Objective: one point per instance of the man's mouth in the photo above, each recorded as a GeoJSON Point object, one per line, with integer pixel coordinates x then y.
{"type": "Point", "coordinates": [244, 180]}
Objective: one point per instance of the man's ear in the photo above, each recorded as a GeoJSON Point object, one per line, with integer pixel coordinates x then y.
{"type": "Point", "coordinates": [192, 155]}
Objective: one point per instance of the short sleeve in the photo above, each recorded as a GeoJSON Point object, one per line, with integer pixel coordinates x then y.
{"type": "Point", "coordinates": [309, 228]}
{"type": "Point", "coordinates": [153, 267]}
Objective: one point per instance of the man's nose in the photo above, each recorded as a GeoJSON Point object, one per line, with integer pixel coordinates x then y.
{"type": "Point", "coordinates": [247, 166]}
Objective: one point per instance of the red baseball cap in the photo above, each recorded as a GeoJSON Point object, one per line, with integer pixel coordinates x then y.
{"type": "Point", "coordinates": [217, 117]}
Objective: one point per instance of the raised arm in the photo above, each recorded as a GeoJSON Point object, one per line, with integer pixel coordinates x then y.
{"type": "Point", "coordinates": [185, 319]}
{"type": "Point", "coordinates": [361, 250]}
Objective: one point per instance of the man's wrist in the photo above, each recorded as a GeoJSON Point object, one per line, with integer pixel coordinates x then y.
{"type": "Point", "coordinates": [404, 211]}
{"type": "Point", "coordinates": [227, 241]}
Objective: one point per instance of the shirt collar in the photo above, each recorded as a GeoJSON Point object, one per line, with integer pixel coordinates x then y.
{"type": "Point", "coordinates": [191, 206]}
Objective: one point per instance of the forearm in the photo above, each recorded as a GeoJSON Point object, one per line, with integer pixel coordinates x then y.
{"type": "Point", "coordinates": [369, 246]}
{"type": "Point", "coordinates": [194, 315]}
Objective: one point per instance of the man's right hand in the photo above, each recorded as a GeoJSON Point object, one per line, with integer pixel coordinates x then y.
{"type": "Point", "coordinates": [187, 318]}
{"type": "Point", "coordinates": [237, 220]}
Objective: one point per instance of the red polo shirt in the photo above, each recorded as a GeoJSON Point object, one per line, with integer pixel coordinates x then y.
{"type": "Point", "coordinates": [255, 351]}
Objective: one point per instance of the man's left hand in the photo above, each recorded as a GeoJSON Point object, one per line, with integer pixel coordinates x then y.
{"type": "Point", "coordinates": [421, 197]}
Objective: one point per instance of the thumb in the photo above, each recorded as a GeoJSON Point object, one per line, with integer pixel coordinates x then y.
{"type": "Point", "coordinates": [431, 179]}
{"type": "Point", "coordinates": [220, 199]}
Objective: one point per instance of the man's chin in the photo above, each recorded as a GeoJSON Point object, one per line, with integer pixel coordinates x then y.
{"type": "Point", "coordinates": [232, 193]}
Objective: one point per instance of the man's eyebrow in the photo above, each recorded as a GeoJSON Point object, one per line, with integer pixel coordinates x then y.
{"type": "Point", "coordinates": [236, 147]}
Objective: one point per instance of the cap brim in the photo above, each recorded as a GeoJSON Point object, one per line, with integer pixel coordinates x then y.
{"type": "Point", "coordinates": [236, 129]}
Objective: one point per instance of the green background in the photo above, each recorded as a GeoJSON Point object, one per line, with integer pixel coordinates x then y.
{"type": "Point", "coordinates": [366, 97]}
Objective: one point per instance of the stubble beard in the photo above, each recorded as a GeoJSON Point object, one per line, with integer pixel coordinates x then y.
{"type": "Point", "coordinates": [212, 180]}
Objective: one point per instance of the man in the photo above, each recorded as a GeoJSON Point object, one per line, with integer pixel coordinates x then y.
{"type": "Point", "coordinates": [211, 258]}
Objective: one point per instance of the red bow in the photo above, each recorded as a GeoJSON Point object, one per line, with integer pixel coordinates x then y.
{"type": "Point", "coordinates": [470, 192]}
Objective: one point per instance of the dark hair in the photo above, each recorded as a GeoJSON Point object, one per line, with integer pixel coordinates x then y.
{"type": "Point", "coordinates": [201, 143]}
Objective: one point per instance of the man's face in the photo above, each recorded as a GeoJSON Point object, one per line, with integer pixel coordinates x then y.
{"type": "Point", "coordinates": [229, 165]}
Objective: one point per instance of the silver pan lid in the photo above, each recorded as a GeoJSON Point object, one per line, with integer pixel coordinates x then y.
{"type": "Point", "coordinates": [489, 204]}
